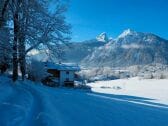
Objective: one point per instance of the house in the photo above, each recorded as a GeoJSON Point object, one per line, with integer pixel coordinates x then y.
{"type": "Point", "coordinates": [62, 74]}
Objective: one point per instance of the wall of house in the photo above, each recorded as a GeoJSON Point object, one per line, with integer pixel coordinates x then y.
{"type": "Point", "coordinates": [54, 72]}
{"type": "Point", "coordinates": [64, 76]}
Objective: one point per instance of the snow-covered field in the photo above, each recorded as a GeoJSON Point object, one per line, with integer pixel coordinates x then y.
{"type": "Point", "coordinates": [29, 104]}
{"type": "Point", "coordinates": [156, 90]}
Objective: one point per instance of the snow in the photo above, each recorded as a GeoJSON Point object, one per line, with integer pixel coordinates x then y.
{"type": "Point", "coordinates": [127, 32]}
{"type": "Point", "coordinates": [62, 66]}
{"type": "Point", "coordinates": [154, 90]}
{"type": "Point", "coordinates": [132, 46]}
{"type": "Point", "coordinates": [31, 104]}
{"type": "Point", "coordinates": [102, 37]}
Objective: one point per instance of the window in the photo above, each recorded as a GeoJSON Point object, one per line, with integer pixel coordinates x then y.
{"type": "Point", "coordinates": [67, 72]}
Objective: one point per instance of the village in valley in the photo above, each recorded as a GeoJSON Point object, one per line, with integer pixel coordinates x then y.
{"type": "Point", "coordinates": [59, 68]}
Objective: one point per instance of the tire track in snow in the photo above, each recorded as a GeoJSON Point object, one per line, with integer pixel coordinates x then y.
{"type": "Point", "coordinates": [36, 115]}
{"type": "Point", "coordinates": [44, 112]}
{"type": "Point", "coordinates": [70, 107]}
{"type": "Point", "coordinates": [5, 89]}
{"type": "Point", "coordinates": [15, 107]}
{"type": "Point", "coordinates": [23, 107]}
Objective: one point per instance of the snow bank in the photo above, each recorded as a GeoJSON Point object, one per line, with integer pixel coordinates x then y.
{"type": "Point", "coordinates": [154, 89]}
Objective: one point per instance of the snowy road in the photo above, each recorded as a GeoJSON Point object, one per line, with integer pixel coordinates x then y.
{"type": "Point", "coordinates": [35, 105]}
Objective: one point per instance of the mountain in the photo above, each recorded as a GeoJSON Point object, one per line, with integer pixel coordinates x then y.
{"type": "Point", "coordinates": [102, 37]}
{"type": "Point", "coordinates": [130, 48]}
{"type": "Point", "coordinates": [75, 52]}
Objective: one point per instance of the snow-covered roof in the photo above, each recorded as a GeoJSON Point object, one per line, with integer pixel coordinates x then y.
{"type": "Point", "coordinates": [62, 66]}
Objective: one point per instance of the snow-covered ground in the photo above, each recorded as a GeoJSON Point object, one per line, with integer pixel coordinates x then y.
{"type": "Point", "coordinates": [156, 90]}
{"type": "Point", "coordinates": [30, 104]}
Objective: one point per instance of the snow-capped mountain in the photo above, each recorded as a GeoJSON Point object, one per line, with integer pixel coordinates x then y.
{"type": "Point", "coordinates": [102, 37]}
{"type": "Point", "coordinates": [126, 33]}
{"type": "Point", "coordinates": [130, 48]}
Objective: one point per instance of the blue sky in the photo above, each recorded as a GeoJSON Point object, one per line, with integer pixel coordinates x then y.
{"type": "Point", "coordinates": [91, 17]}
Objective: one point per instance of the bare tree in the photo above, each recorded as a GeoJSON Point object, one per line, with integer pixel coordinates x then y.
{"type": "Point", "coordinates": [3, 9]}
{"type": "Point", "coordinates": [35, 27]}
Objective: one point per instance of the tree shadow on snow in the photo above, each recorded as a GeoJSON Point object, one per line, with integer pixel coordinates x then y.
{"type": "Point", "coordinates": [131, 99]}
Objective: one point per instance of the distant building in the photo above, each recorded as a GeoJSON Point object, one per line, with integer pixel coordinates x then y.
{"type": "Point", "coordinates": [62, 74]}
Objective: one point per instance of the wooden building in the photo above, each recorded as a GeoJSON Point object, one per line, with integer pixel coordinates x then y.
{"type": "Point", "coordinates": [62, 74]}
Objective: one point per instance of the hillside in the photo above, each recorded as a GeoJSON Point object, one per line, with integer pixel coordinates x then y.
{"type": "Point", "coordinates": [130, 48]}
{"type": "Point", "coordinates": [75, 52]}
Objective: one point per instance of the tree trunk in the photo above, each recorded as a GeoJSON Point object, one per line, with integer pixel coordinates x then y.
{"type": "Point", "coordinates": [15, 48]}
{"type": "Point", "coordinates": [23, 66]}
{"type": "Point", "coordinates": [22, 60]}
{"type": "Point", "coordinates": [21, 43]}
